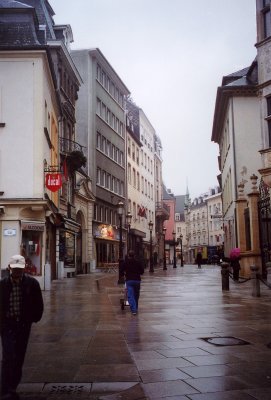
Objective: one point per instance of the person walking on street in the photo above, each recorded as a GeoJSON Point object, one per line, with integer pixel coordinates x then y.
{"type": "Point", "coordinates": [199, 259]}
{"type": "Point", "coordinates": [21, 304]}
{"type": "Point", "coordinates": [133, 269]}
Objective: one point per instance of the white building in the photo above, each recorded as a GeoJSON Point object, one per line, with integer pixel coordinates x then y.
{"type": "Point", "coordinates": [26, 105]}
{"type": "Point", "coordinates": [237, 131]}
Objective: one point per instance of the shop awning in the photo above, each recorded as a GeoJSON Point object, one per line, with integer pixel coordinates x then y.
{"type": "Point", "coordinates": [137, 232]}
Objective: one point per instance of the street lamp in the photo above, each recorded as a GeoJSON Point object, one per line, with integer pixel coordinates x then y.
{"type": "Point", "coordinates": [151, 258]}
{"type": "Point", "coordinates": [165, 260]}
{"type": "Point", "coordinates": [128, 221]}
{"type": "Point", "coordinates": [120, 210]}
{"type": "Point", "coordinates": [181, 243]}
{"type": "Point", "coordinates": [174, 249]}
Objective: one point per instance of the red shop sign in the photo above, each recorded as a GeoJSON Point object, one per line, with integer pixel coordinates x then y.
{"type": "Point", "coordinates": [53, 182]}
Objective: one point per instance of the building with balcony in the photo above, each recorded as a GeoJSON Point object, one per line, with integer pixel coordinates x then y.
{"type": "Point", "coordinates": [135, 184]}
{"type": "Point", "coordinates": [35, 112]}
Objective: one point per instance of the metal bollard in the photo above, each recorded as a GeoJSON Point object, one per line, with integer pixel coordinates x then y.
{"type": "Point", "coordinates": [256, 292]}
{"type": "Point", "coordinates": [225, 274]}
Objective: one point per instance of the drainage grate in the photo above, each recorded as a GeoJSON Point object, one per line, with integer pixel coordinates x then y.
{"type": "Point", "coordinates": [225, 341]}
{"type": "Point", "coordinates": [74, 390]}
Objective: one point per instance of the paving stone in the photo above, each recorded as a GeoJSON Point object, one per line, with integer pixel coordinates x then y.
{"type": "Point", "coordinates": [84, 336]}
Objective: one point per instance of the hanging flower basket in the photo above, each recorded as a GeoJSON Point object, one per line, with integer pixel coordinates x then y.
{"type": "Point", "coordinates": [76, 160]}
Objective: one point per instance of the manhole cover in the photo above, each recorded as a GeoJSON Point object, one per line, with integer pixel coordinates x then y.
{"type": "Point", "coordinates": [225, 341]}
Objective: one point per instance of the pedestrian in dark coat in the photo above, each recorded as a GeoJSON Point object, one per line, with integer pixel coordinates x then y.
{"type": "Point", "coordinates": [199, 259]}
{"type": "Point", "coordinates": [133, 269]}
{"type": "Point", "coordinates": [235, 264]}
{"type": "Point", "coordinates": [21, 304]}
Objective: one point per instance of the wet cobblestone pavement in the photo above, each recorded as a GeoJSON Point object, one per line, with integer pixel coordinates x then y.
{"type": "Point", "coordinates": [183, 344]}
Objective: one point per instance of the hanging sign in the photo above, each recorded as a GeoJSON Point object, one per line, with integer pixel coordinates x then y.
{"type": "Point", "coordinates": [53, 182]}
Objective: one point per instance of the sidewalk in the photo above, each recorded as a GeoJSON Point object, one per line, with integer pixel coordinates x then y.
{"type": "Point", "coordinates": [86, 347]}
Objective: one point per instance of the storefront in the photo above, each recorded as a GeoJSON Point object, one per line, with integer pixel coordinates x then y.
{"type": "Point", "coordinates": [67, 246]}
{"type": "Point", "coordinates": [31, 245]}
{"type": "Point", "coordinates": [107, 244]}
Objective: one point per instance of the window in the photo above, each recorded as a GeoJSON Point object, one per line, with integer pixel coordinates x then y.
{"type": "Point", "coordinates": [98, 72]}
{"type": "Point", "coordinates": [103, 178]}
{"type": "Point", "coordinates": [108, 182]}
{"type": "Point", "coordinates": [113, 151]}
{"type": "Point", "coordinates": [108, 148]}
{"type": "Point", "coordinates": [137, 156]}
{"type": "Point", "coordinates": [103, 111]}
{"type": "Point", "coordinates": [121, 129]}
{"type": "Point", "coordinates": [103, 78]}
{"type": "Point", "coordinates": [99, 105]}
{"type": "Point", "coordinates": [121, 158]}
{"type": "Point", "coordinates": [98, 142]}
{"type": "Point", "coordinates": [103, 144]}
{"type": "Point", "coordinates": [266, 19]}
{"type": "Point", "coordinates": [98, 176]}
{"type": "Point", "coordinates": [134, 177]}
{"type": "Point", "coordinates": [121, 100]}
{"type": "Point", "coordinates": [116, 155]}
{"type": "Point", "coordinates": [268, 103]}
{"type": "Point", "coordinates": [113, 121]}
{"type": "Point", "coordinates": [129, 173]}
{"type": "Point", "coordinates": [117, 188]}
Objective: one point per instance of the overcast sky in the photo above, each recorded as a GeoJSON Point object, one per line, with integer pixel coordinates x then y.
{"type": "Point", "coordinates": [172, 55]}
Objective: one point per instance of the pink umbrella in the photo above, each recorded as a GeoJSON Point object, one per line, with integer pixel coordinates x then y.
{"type": "Point", "coordinates": [235, 253]}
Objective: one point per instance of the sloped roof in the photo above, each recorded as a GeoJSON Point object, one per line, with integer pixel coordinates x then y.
{"type": "Point", "coordinates": [18, 24]}
{"type": "Point", "coordinates": [240, 83]}
{"type": "Point", "coordinates": [180, 202]}
{"type": "Point", "coordinates": [13, 4]}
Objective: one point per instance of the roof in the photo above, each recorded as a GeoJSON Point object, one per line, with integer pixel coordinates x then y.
{"type": "Point", "coordinates": [180, 203]}
{"type": "Point", "coordinates": [13, 4]}
{"type": "Point", "coordinates": [240, 83]}
{"type": "Point", "coordinates": [167, 195]}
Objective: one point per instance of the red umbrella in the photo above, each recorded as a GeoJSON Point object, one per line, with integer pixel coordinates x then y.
{"type": "Point", "coordinates": [235, 253]}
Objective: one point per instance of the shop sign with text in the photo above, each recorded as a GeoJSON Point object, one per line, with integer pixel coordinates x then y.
{"type": "Point", "coordinates": [53, 182]}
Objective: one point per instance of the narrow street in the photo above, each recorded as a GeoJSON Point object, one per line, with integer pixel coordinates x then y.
{"type": "Point", "coordinates": [86, 347]}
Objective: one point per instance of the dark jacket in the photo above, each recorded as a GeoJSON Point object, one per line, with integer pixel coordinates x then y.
{"type": "Point", "coordinates": [32, 302]}
{"type": "Point", "coordinates": [132, 269]}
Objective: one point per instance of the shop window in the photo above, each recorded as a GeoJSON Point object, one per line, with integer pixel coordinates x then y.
{"type": "Point", "coordinates": [67, 248]}
{"type": "Point", "coordinates": [31, 250]}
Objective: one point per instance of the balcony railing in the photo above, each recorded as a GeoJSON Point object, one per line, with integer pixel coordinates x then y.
{"type": "Point", "coordinates": [67, 146]}
{"type": "Point", "coordinates": [162, 209]}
